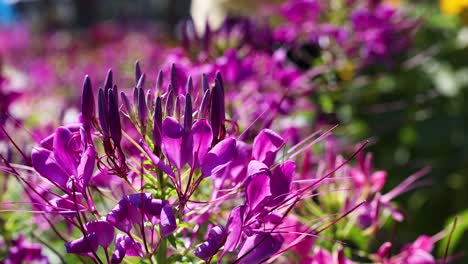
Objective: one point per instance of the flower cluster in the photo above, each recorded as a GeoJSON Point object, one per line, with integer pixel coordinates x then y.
{"type": "Point", "coordinates": [164, 176]}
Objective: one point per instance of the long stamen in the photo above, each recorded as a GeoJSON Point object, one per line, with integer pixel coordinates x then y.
{"type": "Point", "coordinates": [335, 169]}
{"type": "Point", "coordinates": [341, 217]}
{"type": "Point", "coordinates": [25, 157]}
{"type": "Point", "coordinates": [82, 227]}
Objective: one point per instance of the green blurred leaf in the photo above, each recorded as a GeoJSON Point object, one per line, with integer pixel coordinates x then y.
{"type": "Point", "coordinates": [460, 229]}
{"type": "Point", "coordinates": [172, 240]}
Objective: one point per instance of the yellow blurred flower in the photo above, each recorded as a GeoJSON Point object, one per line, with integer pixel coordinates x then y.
{"type": "Point", "coordinates": [346, 71]}
{"type": "Point", "coordinates": [395, 3]}
{"type": "Point", "coordinates": [453, 7]}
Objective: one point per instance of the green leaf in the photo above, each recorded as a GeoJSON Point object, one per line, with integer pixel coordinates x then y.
{"type": "Point", "coordinates": [172, 240]}
{"type": "Point", "coordinates": [460, 229]}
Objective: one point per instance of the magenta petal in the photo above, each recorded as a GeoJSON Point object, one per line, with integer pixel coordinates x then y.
{"type": "Point", "coordinates": [358, 177]}
{"type": "Point", "coordinates": [171, 145]}
{"type": "Point", "coordinates": [258, 248]}
{"type": "Point", "coordinates": [63, 154]}
{"type": "Point", "coordinates": [384, 250]}
{"type": "Point", "coordinates": [157, 161]}
{"type": "Point", "coordinates": [139, 200]}
{"type": "Point", "coordinates": [234, 228]}
{"type": "Point", "coordinates": [48, 142]}
{"type": "Point", "coordinates": [22, 251]}
{"type": "Point", "coordinates": [215, 240]}
{"type": "Point", "coordinates": [266, 145]}
{"type": "Point", "coordinates": [66, 206]}
{"type": "Point", "coordinates": [155, 206]}
{"type": "Point", "coordinates": [168, 222]}
{"type": "Point", "coordinates": [397, 215]}
{"type": "Point", "coordinates": [220, 154]}
{"type": "Point", "coordinates": [322, 256]}
{"type": "Point", "coordinates": [258, 191]}
{"type": "Point", "coordinates": [419, 257]}
{"type": "Point", "coordinates": [378, 179]}
{"type": "Point", "coordinates": [86, 166]}
{"type": "Point", "coordinates": [125, 245]}
{"type": "Point", "coordinates": [202, 137]}
{"type": "Point", "coordinates": [423, 242]}
{"type": "Point", "coordinates": [103, 230]}
{"type": "Point", "coordinates": [281, 180]}
{"type": "Point", "coordinates": [44, 162]}
{"type": "Point", "coordinates": [119, 216]}
{"type": "Point", "coordinates": [82, 245]}
{"type": "Point", "coordinates": [256, 167]}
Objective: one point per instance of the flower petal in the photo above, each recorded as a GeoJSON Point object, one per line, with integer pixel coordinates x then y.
{"type": "Point", "coordinates": [215, 240]}
{"type": "Point", "coordinates": [44, 162]}
{"type": "Point", "coordinates": [259, 247]}
{"type": "Point", "coordinates": [82, 245]}
{"type": "Point", "coordinates": [62, 152]}
{"type": "Point", "coordinates": [281, 180]}
{"type": "Point", "coordinates": [119, 216]}
{"type": "Point", "coordinates": [157, 161]}
{"type": "Point", "coordinates": [125, 245]}
{"type": "Point", "coordinates": [86, 166]}
{"type": "Point", "coordinates": [174, 143]}
{"type": "Point", "coordinates": [202, 137]}
{"type": "Point", "coordinates": [258, 191]}
{"type": "Point", "coordinates": [220, 154]}
{"type": "Point", "coordinates": [103, 231]}
{"type": "Point", "coordinates": [234, 228]}
{"type": "Point", "coordinates": [378, 180]}
{"type": "Point", "coordinates": [168, 222]}
{"type": "Point", "coordinates": [266, 145]}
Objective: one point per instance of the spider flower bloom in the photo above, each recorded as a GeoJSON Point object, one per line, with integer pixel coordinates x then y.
{"type": "Point", "coordinates": [234, 33]}
{"type": "Point", "coordinates": [186, 130]}
{"type": "Point", "coordinates": [194, 177]}
{"type": "Point", "coordinates": [125, 246]}
{"type": "Point", "coordinates": [254, 231]}
{"type": "Point", "coordinates": [98, 233]}
{"type": "Point", "coordinates": [69, 158]}
{"type": "Point", "coordinates": [418, 252]}
{"type": "Point", "coordinates": [381, 32]}
{"type": "Point", "coordinates": [133, 207]}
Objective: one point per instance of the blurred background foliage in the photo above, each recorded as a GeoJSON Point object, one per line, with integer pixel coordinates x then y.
{"type": "Point", "coordinates": [415, 115]}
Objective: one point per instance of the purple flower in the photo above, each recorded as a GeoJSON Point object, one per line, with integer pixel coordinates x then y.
{"type": "Point", "coordinates": [215, 240]}
{"type": "Point", "coordinates": [380, 32]}
{"type": "Point", "coordinates": [23, 251]}
{"type": "Point", "coordinates": [300, 12]}
{"type": "Point", "coordinates": [365, 180]}
{"type": "Point", "coordinates": [266, 145]}
{"type": "Point", "coordinates": [419, 252]}
{"type": "Point", "coordinates": [125, 246]}
{"type": "Point", "coordinates": [259, 247]}
{"type": "Point", "coordinates": [97, 233]}
{"type": "Point", "coordinates": [167, 223]}
{"type": "Point", "coordinates": [70, 158]}
{"type": "Point", "coordinates": [321, 256]}
{"type": "Point", "coordinates": [133, 207]}
{"type": "Point", "coordinates": [82, 245]}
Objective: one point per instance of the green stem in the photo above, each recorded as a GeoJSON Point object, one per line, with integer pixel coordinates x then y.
{"type": "Point", "coordinates": [161, 256]}
{"type": "Point", "coordinates": [161, 184]}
